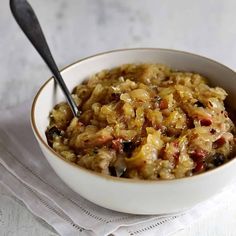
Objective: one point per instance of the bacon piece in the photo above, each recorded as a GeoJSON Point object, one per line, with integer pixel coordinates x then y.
{"type": "Point", "coordinates": [199, 158]}
{"type": "Point", "coordinates": [163, 104]}
{"type": "Point", "coordinates": [117, 145]}
{"type": "Point", "coordinates": [219, 142]}
{"type": "Point", "coordinates": [205, 122]}
{"type": "Point", "coordinates": [199, 167]}
{"type": "Point", "coordinates": [198, 155]}
{"type": "Point", "coordinates": [176, 153]}
{"type": "Point", "coordinates": [102, 140]}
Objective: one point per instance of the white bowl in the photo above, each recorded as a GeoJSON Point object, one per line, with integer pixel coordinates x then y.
{"type": "Point", "coordinates": [127, 195]}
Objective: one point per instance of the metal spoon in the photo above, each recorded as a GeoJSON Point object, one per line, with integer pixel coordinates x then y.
{"type": "Point", "coordinates": [28, 22]}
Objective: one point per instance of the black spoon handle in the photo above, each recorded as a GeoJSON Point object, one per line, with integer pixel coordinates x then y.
{"type": "Point", "coordinates": [28, 22]}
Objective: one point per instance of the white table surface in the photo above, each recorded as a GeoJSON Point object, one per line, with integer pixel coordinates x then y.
{"type": "Point", "coordinates": [78, 28]}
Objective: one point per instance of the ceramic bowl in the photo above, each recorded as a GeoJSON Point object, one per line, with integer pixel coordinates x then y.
{"type": "Point", "coordinates": [127, 195]}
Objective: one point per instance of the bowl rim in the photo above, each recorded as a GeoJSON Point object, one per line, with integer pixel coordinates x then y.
{"type": "Point", "coordinates": [113, 178]}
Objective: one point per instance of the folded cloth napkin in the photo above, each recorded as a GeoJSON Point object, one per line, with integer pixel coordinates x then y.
{"type": "Point", "coordinates": [25, 171]}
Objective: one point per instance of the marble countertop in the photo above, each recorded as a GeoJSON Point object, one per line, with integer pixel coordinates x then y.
{"type": "Point", "coordinates": [79, 28]}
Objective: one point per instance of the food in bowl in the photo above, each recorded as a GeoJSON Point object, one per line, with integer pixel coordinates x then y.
{"type": "Point", "coordinates": [144, 121]}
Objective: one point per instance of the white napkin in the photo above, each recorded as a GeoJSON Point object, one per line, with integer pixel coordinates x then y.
{"type": "Point", "coordinates": [25, 171]}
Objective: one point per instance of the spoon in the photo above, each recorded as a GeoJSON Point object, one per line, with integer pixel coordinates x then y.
{"type": "Point", "coordinates": [28, 22]}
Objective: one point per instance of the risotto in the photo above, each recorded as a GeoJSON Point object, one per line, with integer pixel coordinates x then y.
{"type": "Point", "coordinates": [145, 121]}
